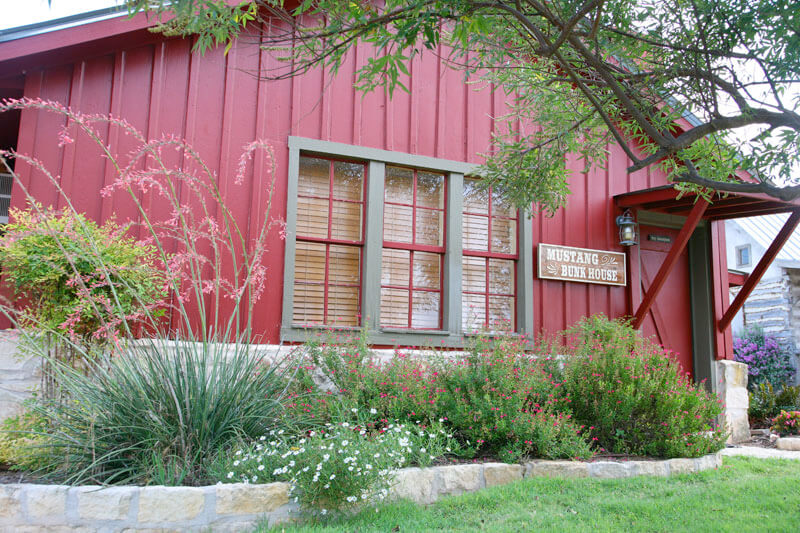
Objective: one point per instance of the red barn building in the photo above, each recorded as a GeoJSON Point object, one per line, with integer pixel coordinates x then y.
{"type": "Point", "coordinates": [383, 226]}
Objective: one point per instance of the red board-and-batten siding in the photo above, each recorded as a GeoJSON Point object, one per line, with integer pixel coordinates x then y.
{"type": "Point", "coordinates": [215, 102]}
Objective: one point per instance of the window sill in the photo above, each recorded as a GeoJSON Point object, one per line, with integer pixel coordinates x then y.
{"type": "Point", "coordinates": [409, 331]}
{"type": "Point", "coordinates": [301, 327]}
{"type": "Point", "coordinates": [381, 337]}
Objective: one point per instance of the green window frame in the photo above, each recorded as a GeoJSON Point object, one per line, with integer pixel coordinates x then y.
{"type": "Point", "coordinates": [451, 333]}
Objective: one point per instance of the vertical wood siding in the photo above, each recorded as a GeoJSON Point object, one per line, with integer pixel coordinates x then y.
{"type": "Point", "coordinates": [215, 102]}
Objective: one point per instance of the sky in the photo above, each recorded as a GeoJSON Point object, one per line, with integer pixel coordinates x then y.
{"type": "Point", "coordinates": [23, 12]}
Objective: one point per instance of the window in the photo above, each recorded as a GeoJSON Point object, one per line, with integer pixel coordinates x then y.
{"type": "Point", "coordinates": [413, 249]}
{"type": "Point", "coordinates": [489, 260]}
{"type": "Point", "coordinates": [330, 207]}
{"type": "Point", "coordinates": [6, 180]}
{"type": "Point", "coordinates": [743, 255]}
{"type": "Point", "coordinates": [405, 245]}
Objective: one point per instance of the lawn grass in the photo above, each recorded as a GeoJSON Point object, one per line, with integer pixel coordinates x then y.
{"type": "Point", "coordinates": [744, 495]}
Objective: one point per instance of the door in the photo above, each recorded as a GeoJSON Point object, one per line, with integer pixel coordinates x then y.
{"type": "Point", "coordinates": [670, 317]}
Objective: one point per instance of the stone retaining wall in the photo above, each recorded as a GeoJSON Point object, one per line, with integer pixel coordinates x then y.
{"type": "Point", "coordinates": [791, 444]}
{"type": "Point", "coordinates": [240, 507]}
{"type": "Point", "coordinates": [219, 508]}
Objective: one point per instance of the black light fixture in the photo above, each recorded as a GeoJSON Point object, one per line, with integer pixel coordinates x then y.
{"type": "Point", "coordinates": [627, 229]}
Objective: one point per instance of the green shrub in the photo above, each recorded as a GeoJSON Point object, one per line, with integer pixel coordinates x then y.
{"type": "Point", "coordinates": [80, 286]}
{"type": "Point", "coordinates": [633, 397]}
{"type": "Point", "coordinates": [766, 403]}
{"type": "Point", "coordinates": [496, 399]}
{"type": "Point", "coordinates": [503, 402]}
{"type": "Point", "coordinates": [75, 277]}
{"type": "Point", "coordinates": [159, 413]}
{"type": "Point", "coordinates": [19, 438]}
{"type": "Point", "coordinates": [787, 423]}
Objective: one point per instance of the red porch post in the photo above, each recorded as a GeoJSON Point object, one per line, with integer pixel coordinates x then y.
{"type": "Point", "coordinates": [672, 257]}
{"type": "Point", "coordinates": [720, 294]}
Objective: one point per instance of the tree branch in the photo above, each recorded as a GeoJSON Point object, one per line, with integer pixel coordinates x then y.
{"type": "Point", "coordinates": [756, 116]}
{"type": "Point", "coordinates": [786, 194]}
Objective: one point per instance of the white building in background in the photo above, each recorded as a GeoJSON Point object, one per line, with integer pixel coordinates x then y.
{"type": "Point", "coordinates": [775, 303]}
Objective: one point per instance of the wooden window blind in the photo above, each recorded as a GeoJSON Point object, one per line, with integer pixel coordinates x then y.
{"type": "Point", "coordinates": [329, 242]}
{"type": "Point", "coordinates": [489, 259]}
{"type": "Point", "coordinates": [413, 249]}
{"type": "Point", "coordinates": [6, 181]}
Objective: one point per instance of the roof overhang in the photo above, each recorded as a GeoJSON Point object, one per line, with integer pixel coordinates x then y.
{"type": "Point", "coordinates": [722, 206]}
{"type": "Point", "coordinates": [668, 200]}
{"type": "Point", "coordinates": [60, 40]}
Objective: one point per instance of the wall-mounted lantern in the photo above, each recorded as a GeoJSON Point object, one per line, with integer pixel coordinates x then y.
{"type": "Point", "coordinates": [627, 229]}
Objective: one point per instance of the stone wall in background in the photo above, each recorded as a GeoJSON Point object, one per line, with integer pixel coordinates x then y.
{"type": "Point", "coordinates": [19, 376]}
{"type": "Point", "coordinates": [774, 306]}
{"type": "Point", "coordinates": [770, 307]}
{"type": "Point", "coordinates": [794, 293]}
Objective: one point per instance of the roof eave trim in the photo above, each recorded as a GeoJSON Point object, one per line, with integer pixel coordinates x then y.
{"type": "Point", "coordinates": [73, 33]}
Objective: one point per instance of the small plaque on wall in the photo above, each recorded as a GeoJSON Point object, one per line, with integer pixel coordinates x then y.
{"type": "Point", "coordinates": [565, 263]}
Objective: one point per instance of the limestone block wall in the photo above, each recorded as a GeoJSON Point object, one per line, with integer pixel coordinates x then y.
{"type": "Point", "coordinates": [731, 381]}
{"type": "Point", "coordinates": [219, 508]}
{"type": "Point", "coordinates": [241, 507]}
{"type": "Point", "coordinates": [19, 376]}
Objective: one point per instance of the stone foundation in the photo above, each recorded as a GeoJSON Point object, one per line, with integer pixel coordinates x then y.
{"type": "Point", "coordinates": [731, 387]}
{"type": "Point", "coordinates": [241, 507]}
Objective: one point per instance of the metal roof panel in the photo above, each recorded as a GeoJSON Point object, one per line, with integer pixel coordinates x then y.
{"type": "Point", "coordinates": [765, 228]}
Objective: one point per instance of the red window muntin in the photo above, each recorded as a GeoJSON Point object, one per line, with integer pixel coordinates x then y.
{"type": "Point", "coordinates": [489, 274]}
{"type": "Point", "coordinates": [329, 242]}
{"type": "Point", "coordinates": [413, 249]}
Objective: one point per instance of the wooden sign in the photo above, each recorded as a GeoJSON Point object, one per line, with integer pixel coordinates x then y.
{"type": "Point", "coordinates": [583, 265]}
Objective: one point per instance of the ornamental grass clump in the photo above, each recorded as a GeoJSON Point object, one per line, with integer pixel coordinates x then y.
{"type": "Point", "coordinates": [766, 360]}
{"type": "Point", "coordinates": [159, 414]}
{"type": "Point", "coordinates": [633, 397]}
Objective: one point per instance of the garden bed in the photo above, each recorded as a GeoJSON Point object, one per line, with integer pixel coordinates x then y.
{"type": "Point", "coordinates": [240, 507]}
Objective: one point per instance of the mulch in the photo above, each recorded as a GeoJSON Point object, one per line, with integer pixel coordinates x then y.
{"type": "Point", "coordinates": [8, 477]}
{"type": "Point", "coordinates": [759, 439]}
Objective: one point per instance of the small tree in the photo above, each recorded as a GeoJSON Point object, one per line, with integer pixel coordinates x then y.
{"type": "Point", "coordinates": [77, 283]}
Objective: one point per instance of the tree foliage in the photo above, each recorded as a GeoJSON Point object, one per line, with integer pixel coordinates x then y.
{"type": "Point", "coordinates": [707, 88]}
